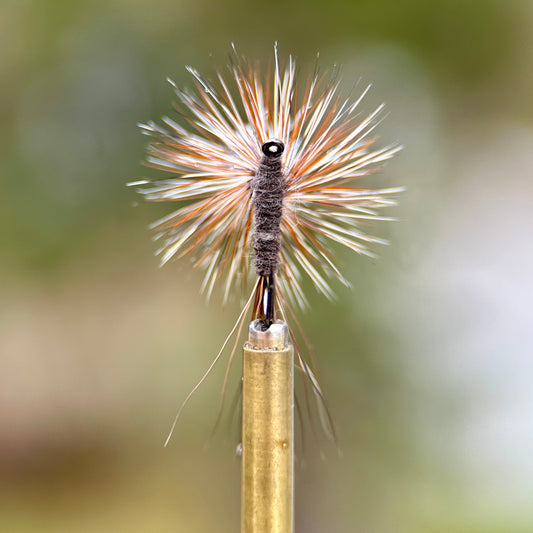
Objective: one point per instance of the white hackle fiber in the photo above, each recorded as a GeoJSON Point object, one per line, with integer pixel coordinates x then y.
{"type": "Point", "coordinates": [328, 146]}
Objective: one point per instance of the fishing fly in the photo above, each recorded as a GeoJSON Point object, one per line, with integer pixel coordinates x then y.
{"type": "Point", "coordinates": [265, 177]}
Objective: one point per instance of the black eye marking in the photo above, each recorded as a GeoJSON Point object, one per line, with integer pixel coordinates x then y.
{"type": "Point", "coordinates": [273, 148]}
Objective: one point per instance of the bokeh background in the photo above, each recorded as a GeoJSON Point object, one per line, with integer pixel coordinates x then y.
{"type": "Point", "coordinates": [427, 361]}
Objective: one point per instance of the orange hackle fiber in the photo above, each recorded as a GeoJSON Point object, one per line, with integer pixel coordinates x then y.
{"type": "Point", "coordinates": [328, 146]}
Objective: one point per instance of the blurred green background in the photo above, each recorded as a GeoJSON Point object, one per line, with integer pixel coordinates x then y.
{"type": "Point", "coordinates": [427, 361]}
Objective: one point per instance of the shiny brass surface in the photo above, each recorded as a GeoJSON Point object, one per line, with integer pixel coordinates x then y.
{"type": "Point", "coordinates": [268, 431]}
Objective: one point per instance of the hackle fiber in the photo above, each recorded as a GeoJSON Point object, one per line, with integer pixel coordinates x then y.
{"type": "Point", "coordinates": [217, 168]}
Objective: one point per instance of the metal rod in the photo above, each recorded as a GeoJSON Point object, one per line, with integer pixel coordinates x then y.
{"type": "Point", "coordinates": [267, 483]}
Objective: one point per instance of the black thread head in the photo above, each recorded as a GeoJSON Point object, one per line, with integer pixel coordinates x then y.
{"type": "Point", "coordinates": [273, 148]}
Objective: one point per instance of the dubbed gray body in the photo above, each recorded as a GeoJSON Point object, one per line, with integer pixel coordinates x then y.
{"type": "Point", "coordinates": [268, 187]}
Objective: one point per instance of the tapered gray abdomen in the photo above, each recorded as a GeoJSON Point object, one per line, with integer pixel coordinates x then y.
{"type": "Point", "coordinates": [268, 187]}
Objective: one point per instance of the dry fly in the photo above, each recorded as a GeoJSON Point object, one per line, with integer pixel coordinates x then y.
{"type": "Point", "coordinates": [270, 167]}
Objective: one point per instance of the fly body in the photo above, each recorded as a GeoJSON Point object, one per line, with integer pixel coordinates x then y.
{"type": "Point", "coordinates": [268, 187]}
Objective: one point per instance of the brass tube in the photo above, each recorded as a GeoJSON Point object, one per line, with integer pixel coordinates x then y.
{"type": "Point", "coordinates": [267, 483]}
